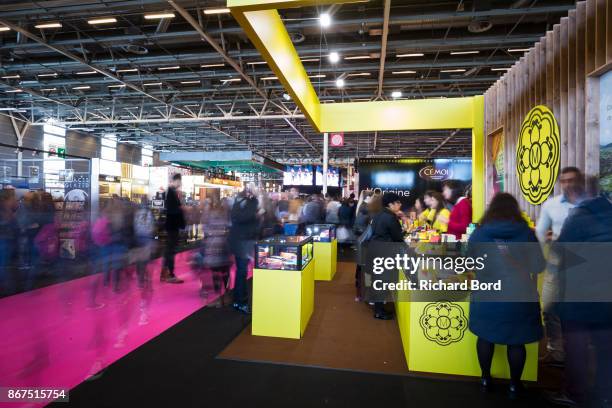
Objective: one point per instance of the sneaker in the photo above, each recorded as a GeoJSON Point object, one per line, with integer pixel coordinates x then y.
{"type": "Point", "coordinates": [172, 279]}
{"type": "Point", "coordinates": [243, 308]}
{"type": "Point", "coordinates": [560, 398]}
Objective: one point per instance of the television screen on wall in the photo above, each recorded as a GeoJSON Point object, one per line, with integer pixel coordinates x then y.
{"type": "Point", "coordinates": [298, 176]}
{"type": "Point", "coordinates": [333, 176]}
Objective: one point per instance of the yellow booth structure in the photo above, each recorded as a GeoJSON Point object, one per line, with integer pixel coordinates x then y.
{"type": "Point", "coordinates": [325, 250]}
{"type": "Point", "coordinates": [283, 287]}
{"type": "Point", "coordinates": [436, 338]}
{"type": "Point", "coordinates": [425, 350]}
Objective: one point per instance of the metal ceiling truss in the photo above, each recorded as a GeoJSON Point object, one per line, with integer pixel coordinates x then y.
{"type": "Point", "coordinates": [196, 107]}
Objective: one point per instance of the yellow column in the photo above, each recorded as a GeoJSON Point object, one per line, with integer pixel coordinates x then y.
{"type": "Point", "coordinates": [478, 159]}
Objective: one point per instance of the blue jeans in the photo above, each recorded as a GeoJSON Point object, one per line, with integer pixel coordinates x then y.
{"type": "Point", "coordinates": [240, 288]}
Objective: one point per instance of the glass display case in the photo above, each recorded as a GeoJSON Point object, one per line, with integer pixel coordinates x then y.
{"type": "Point", "coordinates": [283, 252]}
{"type": "Point", "coordinates": [321, 232]}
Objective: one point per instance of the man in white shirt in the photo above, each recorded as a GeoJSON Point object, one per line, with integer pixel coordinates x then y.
{"type": "Point", "coordinates": [552, 216]}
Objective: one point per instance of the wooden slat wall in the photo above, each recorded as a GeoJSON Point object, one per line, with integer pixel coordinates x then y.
{"type": "Point", "coordinates": [555, 73]}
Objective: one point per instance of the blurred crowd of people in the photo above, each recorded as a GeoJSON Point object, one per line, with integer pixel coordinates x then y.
{"type": "Point", "coordinates": [120, 243]}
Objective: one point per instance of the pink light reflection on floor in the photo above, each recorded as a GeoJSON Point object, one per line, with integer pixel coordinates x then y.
{"type": "Point", "coordinates": [50, 337]}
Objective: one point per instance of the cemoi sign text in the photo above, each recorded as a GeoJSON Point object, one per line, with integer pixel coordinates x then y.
{"type": "Point", "coordinates": [433, 173]}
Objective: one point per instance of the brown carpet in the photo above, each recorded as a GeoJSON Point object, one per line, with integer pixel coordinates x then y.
{"type": "Point", "coordinates": [342, 334]}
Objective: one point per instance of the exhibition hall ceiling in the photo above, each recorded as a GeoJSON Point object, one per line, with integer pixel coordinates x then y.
{"type": "Point", "coordinates": [181, 75]}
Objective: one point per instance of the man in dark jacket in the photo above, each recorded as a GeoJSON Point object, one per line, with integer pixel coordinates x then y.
{"type": "Point", "coordinates": [175, 221]}
{"type": "Point", "coordinates": [584, 305]}
{"type": "Point", "coordinates": [386, 228]}
{"type": "Point", "coordinates": [243, 232]}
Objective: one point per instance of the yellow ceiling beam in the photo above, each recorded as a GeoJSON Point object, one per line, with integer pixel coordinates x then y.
{"type": "Point", "coordinates": [413, 114]}
{"type": "Point", "coordinates": [269, 35]}
{"type": "Point", "coordinates": [264, 27]}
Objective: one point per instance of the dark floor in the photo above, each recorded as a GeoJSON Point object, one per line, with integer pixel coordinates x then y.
{"type": "Point", "coordinates": [180, 369]}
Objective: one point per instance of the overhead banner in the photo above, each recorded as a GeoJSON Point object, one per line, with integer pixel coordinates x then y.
{"type": "Point", "coordinates": [411, 178]}
{"type": "Point", "coordinates": [537, 155]}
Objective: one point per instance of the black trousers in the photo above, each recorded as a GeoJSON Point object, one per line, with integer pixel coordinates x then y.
{"type": "Point", "coordinates": [240, 286]}
{"type": "Point", "coordinates": [170, 251]}
{"type": "Point", "coordinates": [580, 340]}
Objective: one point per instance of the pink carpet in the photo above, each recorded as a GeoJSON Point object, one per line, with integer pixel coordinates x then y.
{"type": "Point", "coordinates": [52, 337]}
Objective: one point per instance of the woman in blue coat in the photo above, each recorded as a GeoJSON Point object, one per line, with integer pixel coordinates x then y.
{"type": "Point", "coordinates": [510, 316]}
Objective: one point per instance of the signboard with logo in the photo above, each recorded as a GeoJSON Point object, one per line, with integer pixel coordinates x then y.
{"type": "Point", "coordinates": [538, 154]}
{"type": "Point", "coordinates": [336, 139]}
{"type": "Point", "coordinates": [410, 178]}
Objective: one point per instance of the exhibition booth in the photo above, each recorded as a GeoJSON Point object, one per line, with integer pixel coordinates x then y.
{"type": "Point", "coordinates": [434, 334]}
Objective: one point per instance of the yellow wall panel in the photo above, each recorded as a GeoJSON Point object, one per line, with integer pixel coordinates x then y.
{"type": "Point", "coordinates": [414, 114]}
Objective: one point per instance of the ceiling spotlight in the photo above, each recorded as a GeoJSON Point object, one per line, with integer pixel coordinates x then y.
{"type": "Point", "coordinates": [127, 70]}
{"type": "Point", "coordinates": [286, 97]}
{"type": "Point", "coordinates": [49, 25]}
{"type": "Point", "coordinates": [168, 68]}
{"type": "Point", "coordinates": [334, 57]}
{"type": "Point", "coordinates": [54, 74]}
{"type": "Point", "coordinates": [464, 52]}
{"type": "Point", "coordinates": [357, 57]}
{"type": "Point", "coordinates": [449, 71]}
{"type": "Point", "coordinates": [13, 90]}
{"type": "Point", "coordinates": [217, 11]}
{"type": "Point", "coordinates": [340, 83]}
{"type": "Point", "coordinates": [102, 21]}
{"type": "Point", "coordinates": [4, 28]}
{"type": "Point", "coordinates": [79, 88]}
{"type": "Point", "coordinates": [86, 72]}
{"type": "Point", "coordinates": [152, 84]}
{"type": "Point", "coordinates": [403, 72]}
{"type": "Point", "coordinates": [396, 94]}
{"type": "Point", "coordinates": [414, 54]}
{"type": "Point", "coordinates": [157, 16]}
{"type": "Point", "coordinates": [325, 20]}
{"type": "Point", "coordinates": [11, 77]}
{"type": "Point", "coordinates": [212, 65]}
{"type": "Point", "coordinates": [518, 49]}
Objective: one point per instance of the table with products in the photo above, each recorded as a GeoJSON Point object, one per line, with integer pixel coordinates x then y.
{"type": "Point", "coordinates": [325, 250]}
{"type": "Point", "coordinates": [283, 286]}
{"type": "Point", "coordinates": [434, 324]}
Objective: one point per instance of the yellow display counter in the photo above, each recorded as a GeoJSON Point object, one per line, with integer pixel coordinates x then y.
{"type": "Point", "coordinates": [325, 260]}
{"type": "Point", "coordinates": [283, 301]}
{"type": "Point", "coordinates": [436, 339]}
